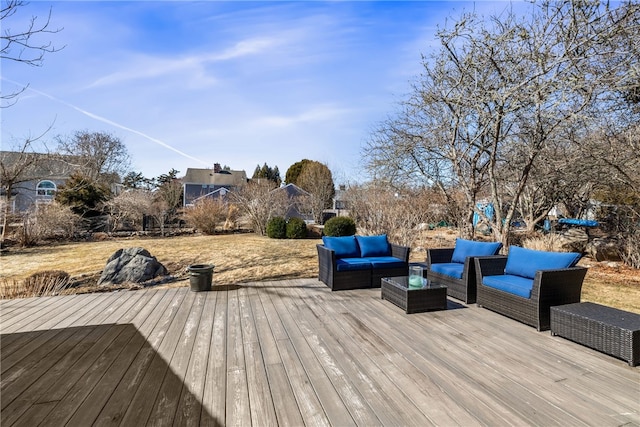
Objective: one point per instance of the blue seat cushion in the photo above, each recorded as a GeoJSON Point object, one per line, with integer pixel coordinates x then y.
{"type": "Point", "coordinates": [466, 248]}
{"type": "Point", "coordinates": [374, 246]}
{"type": "Point", "coordinates": [452, 269]}
{"type": "Point", "coordinates": [387, 262]}
{"type": "Point", "coordinates": [516, 285]}
{"type": "Point", "coordinates": [525, 262]}
{"type": "Point", "coordinates": [344, 247]}
{"type": "Point", "coordinates": [352, 264]}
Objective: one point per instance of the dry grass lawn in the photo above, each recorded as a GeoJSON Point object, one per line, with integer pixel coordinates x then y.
{"type": "Point", "coordinates": [247, 257]}
{"type": "Point", "coordinates": [237, 257]}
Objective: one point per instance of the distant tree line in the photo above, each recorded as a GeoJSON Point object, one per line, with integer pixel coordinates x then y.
{"type": "Point", "coordinates": [267, 172]}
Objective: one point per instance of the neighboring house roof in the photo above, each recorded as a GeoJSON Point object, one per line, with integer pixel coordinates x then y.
{"type": "Point", "coordinates": [200, 183]}
{"type": "Point", "coordinates": [209, 177]}
{"type": "Point", "coordinates": [219, 193]}
{"type": "Point", "coordinates": [292, 190]}
{"type": "Point", "coordinates": [340, 194]}
{"type": "Point", "coordinates": [38, 167]}
{"type": "Point", "coordinates": [45, 166]}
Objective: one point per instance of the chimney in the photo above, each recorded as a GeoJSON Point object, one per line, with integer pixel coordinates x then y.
{"type": "Point", "coordinates": [216, 168]}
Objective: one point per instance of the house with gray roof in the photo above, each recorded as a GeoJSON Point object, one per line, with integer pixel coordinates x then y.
{"type": "Point", "coordinates": [296, 195]}
{"type": "Point", "coordinates": [213, 183]}
{"type": "Point", "coordinates": [41, 175]}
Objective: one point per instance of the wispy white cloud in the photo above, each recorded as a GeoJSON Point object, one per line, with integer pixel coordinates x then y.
{"type": "Point", "coordinates": [143, 67]}
{"type": "Point", "coordinates": [246, 47]}
{"type": "Point", "coordinates": [320, 113]}
{"type": "Point", "coordinates": [146, 67]}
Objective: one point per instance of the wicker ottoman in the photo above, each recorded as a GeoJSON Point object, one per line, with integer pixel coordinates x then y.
{"type": "Point", "coordinates": [606, 329]}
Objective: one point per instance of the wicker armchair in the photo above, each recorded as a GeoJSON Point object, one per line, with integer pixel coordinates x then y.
{"type": "Point", "coordinates": [463, 289]}
{"type": "Point", "coordinates": [461, 256]}
{"type": "Point", "coordinates": [357, 279]}
{"type": "Point", "coordinates": [550, 288]}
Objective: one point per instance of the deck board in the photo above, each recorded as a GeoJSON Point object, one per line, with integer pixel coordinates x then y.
{"type": "Point", "coordinates": [291, 353]}
{"type": "Point", "coordinates": [189, 408]}
{"type": "Point", "coordinates": [34, 313]}
{"type": "Point", "coordinates": [166, 404]}
{"type": "Point", "coordinates": [144, 400]}
{"type": "Point", "coordinates": [153, 325]}
{"type": "Point", "coordinates": [213, 412]}
{"type": "Point", "coordinates": [306, 396]}
{"type": "Point", "coordinates": [20, 304]}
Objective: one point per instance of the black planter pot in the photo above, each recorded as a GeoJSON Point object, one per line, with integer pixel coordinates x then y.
{"type": "Point", "coordinates": [200, 277]}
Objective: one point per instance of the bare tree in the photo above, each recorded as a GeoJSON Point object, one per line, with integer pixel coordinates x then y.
{"type": "Point", "coordinates": [171, 193]}
{"type": "Point", "coordinates": [259, 201]}
{"type": "Point", "coordinates": [160, 212]}
{"type": "Point", "coordinates": [97, 155]}
{"type": "Point", "coordinates": [23, 44]}
{"type": "Point", "coordinates": [500, 94]}
{"type": "Point", "coordinates": [316, 179]}
{"type": "Point", "coordinates": [129, 207]}
{"type": "Point", "coordinates": [586, 168]}
{"type": "Point", "coordinates": [168, 197]}
{"type": "Point", "coordinates": [16, 167]}
{"type": "Point", "coordinates": [48, 221]}
{"type": "Point", "coordinates": [400, 215]}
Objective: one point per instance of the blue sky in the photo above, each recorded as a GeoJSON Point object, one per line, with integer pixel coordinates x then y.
{"type": "Point", "coordinates": [190, 84]}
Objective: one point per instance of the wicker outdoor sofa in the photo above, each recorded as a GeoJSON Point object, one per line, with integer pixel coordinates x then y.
{"type": "Point", "coordinates": [455, 268]}
{"type": "Point", "coordinates": [549, 287]}
{"type": "Point", "coordinates": [354, 262]}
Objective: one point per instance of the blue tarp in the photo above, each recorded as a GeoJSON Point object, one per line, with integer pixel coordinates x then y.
{"type": "Point", "coordinates": [578, 222]}
{"type": "Point", "coordinates": [486, 209]}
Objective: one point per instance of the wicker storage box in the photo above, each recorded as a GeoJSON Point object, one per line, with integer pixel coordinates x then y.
{"type": "Point", "coordinates": [606, 329]}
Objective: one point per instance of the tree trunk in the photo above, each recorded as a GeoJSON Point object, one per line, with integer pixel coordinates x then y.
{"type": "Point", "coordinates": [5, 214]}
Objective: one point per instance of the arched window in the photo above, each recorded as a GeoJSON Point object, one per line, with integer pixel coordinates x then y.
{"type": "Point", "coordinates": [46, 189]}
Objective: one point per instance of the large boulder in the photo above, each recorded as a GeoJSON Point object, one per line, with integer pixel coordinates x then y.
{"type": "Point", "coordinates": [574, 240]}
{"type": "Point", "coordinates": [131, 265]}
{"type": "Point", "coordinates": [605, 249]}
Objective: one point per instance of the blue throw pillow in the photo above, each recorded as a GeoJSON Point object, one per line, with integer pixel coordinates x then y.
{"type": "Point", "coordinates": [372, 246]}
{"type": "Point", "coordinates": [466, 248]}
{"type": "Point", "coordinates": [344, 247]}
{"type": "Point", "coordinates": [525, 262]}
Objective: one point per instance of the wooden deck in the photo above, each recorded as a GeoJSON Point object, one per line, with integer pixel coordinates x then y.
{"type": "Point", "coordinates": [294, 353]}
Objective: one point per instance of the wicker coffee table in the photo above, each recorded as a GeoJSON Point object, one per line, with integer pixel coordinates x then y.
{"type": "Point", "coordinates": [431, 296]}
{"type": "Point", "coordinates": [606, 329]}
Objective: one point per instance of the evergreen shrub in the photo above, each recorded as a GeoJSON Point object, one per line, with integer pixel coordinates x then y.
{"type": "Point", "coordinates": [340, 226]}
{"type": "Point", "coordinates": [277, 228]}
{"type": "Point", "coordinates": [296, 228]}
